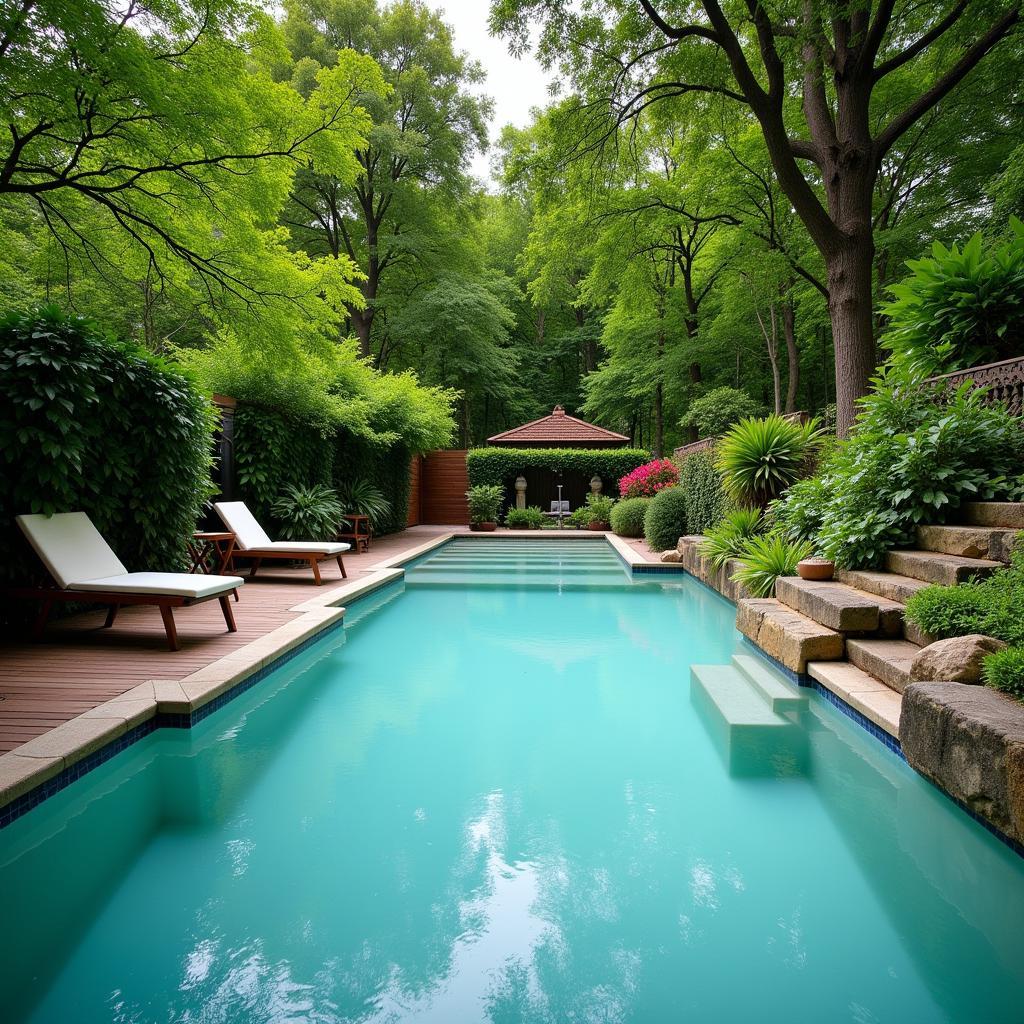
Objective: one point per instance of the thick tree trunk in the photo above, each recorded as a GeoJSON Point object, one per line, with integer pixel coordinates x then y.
{"type": "Point", "coordinates": [792, 354]}
{"type": "Point", "coordinates": [853, 338]}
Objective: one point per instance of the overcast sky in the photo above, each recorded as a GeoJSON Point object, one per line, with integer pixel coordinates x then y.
{"type": "Point", "coordinates": [514, 84]}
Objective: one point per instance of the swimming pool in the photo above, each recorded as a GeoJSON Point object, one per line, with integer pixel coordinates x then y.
{"type": "Point", "coordinates": [493, 797]}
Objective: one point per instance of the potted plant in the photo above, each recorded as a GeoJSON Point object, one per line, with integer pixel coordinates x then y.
{"type": "Point", "coordinates": [815, 568]}
{"type": "Point", "coordinates": [599, 511]}
{"type": "Point", "coordinates": [484, 502]}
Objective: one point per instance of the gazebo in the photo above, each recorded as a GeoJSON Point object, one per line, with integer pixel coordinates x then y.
{"type": "Point", "coordinates": [541, 485]}
{"type": "Point", "coordinates": [559, 430]}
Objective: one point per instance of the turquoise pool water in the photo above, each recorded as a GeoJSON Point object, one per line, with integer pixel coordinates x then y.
{"type": "Point", "coordinates": [491, 798]}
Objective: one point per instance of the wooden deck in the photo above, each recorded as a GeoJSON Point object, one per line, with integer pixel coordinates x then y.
{"type": "Point", "coordinates": [78, 665]}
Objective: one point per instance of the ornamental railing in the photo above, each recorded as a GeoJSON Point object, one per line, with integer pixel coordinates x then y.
{"type": "Point", "coordinates": [1003, 382]}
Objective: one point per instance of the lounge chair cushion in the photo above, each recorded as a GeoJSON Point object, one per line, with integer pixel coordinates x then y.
{"type": "Point", "coordinates": [70, 547]}
{"type": "Point", "coordinates": [175, 584]}
{"type": "Point", "coordinates": [305, 548]}
{"type": "Point", "coordinates": [242, 523]}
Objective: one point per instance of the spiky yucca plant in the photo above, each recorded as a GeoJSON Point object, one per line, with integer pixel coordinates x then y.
{"type": "Point", "coordinates": [764, 559]}
{"type": "Point", "coordinates": [729, 538]}
{"type": "Point", "coordinates": [760, 458]}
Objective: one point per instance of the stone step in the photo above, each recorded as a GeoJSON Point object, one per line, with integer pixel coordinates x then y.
{"type": "Point", "coordinates": [785, 635]}
{"type": "Point", "coordinates": [840, 606]}
{"type": "Point", "coordinates": [994, 542]}
{"type": "Point", "coordinates": [739, 703]}
{"type": "Point", "coordinates": [862, 691]}
{"type": "Point", "coordinates": [889, 585]}
{"type": "Point", "coordinates": [935, 567]}
{"type": "Point", "coordinates": [1009, 514]}
{"type": "Point", "coordinates": [779, 693]}
{"type": "Point", "coordinates": [887, 660]}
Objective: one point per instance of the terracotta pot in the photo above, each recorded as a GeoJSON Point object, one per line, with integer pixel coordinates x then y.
{"type": "Point", "coordinates": [484, 527]}
{"type": "Point", "coordinates": [597, 526]}
{"type": "Point", "coordinates": [816, 569]}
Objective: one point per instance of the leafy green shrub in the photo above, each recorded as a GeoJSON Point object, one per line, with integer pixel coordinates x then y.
{"type": "Point", "coordinates": [579, 518]}
{"type": "Point", "coordinates": [308, 513]}
{"type": "Point", "coordinates": [361, 497]}
{"type": "Point", "coordinates": [759, 459]}
{"type": "Point", "coordinates": [484, 502]}
{"type": "Point", "coordinates": [95, 424]}
{"type": "Point", "coordinates": [665, 521]}
{"type": "Point", "coordinates": [498, 465]}
{"type": "Point", "coordinates": [719, 409]}
{"type": "Point", "coordinates": [993, 606]}
{"type": "Point", "coordinates": [765, 559]}
{"type": "Point", "coordinates": [914, 456]}
{"type": "Point", "coordinates": [530, 518]}
{"type": "Point", "coordinates": [706, 500]}
{"type": "Point", "coordinates": [628, 516]}
{"type": "Point", "coordinates": [800, 513]}
{"type": "Point", "coordinates": [729, 538]}
{"type": "Point", "coordinates": [959, 307]}
{"type": "Point", "coordinates": [599, 508]}
{"type": "Point", "coordinates": [1004, 671]}
{"type": "Point", "coordinates": [385, 469]}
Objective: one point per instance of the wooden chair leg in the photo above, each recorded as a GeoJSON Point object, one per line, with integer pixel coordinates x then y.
{"type": "Point", "coordinates": [315, 565]}
{"type": "Point", "coordinates": [111, 615]}
{"type": "Point", "coordinates": [172, 634]}
{"type": "Point", "coordinates": [229, 616]}
{"type": "Point", "coordinates": [255, 566]}
{"type": "Point", "coordinates": [341, 566]}
{"type": "Point", "coordinates": [44, 614]}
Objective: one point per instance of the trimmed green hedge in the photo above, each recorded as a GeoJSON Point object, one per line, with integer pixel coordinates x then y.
{"type": "Point", "coordinates": [701, 482]}
{"type": "Point", "coordinates": [628, 516]}
{"type": "Point", "coordinates": [96, 424]}
{"type": "Point", "coordinates": [665, 521]}
{"type": "Point", "coordinates": [498, 465]}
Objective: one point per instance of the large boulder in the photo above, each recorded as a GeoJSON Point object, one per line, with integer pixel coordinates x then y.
{"type": "Point", "coordinates": [969, 740]}
{"type": "Point", "coordinates": [956, 660]}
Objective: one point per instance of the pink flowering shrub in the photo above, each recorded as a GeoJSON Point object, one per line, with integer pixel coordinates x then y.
{"type": "Point", "coordinates": [645, 481]}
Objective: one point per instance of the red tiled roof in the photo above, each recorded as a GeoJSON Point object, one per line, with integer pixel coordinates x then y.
{"type": "Point", "coordinates": [558, 429]}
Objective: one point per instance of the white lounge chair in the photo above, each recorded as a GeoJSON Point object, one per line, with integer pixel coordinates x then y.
{"type": "Point", "coordinates": [251, 541]}
{"type": "Point", "coordinates": [85, 569]}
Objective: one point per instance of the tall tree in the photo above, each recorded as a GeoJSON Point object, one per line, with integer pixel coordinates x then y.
{"type": "Point", "coordinates": [424, 131]}
{"type": "Point", "coordinates": [827, 149]}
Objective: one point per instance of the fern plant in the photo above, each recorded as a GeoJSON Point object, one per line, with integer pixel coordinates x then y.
{"type": "Point", "coordinates": [308, 513]}
{"type": "Point", "coordinates": [363, 498]}
{"type": "Point", "coordinates": [764, 559]}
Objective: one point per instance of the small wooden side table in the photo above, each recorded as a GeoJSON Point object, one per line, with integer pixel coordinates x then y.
{"type": "Point", "coordinates": [212, 553]}
{"type": "Point", "coordinates": [360, 532]}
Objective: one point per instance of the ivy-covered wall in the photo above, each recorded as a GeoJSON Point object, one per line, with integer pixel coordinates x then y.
{"type": "Point", "coordinates": [498, 465]}
{"type": "Point", "coordinates": [91, 423]}
{"type": "Point", "coordinates": [274, 449]}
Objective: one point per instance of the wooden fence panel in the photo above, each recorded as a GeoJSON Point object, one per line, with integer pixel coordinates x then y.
{"type": "Point", "coordinates": [444, 481]}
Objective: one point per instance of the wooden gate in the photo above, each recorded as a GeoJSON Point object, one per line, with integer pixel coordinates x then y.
{"type": "Point", "coordinates": [443, 485]}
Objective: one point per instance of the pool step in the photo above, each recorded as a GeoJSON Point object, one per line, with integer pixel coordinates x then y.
{"type": "Point", "coordinates": [780, 695]}
{"type": "Point", "coordinates": [549, 570]}
{"type": "Point", "coordinates": [989, 542]}
{"type": "Point", "coordinates": [841, 607]}
{"type": "Point", "coordinates": [936, 567]}
{"type": "Point", "coordinates": [887, 660]}
{"type": "Point", "coordinates": [753, 738]}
